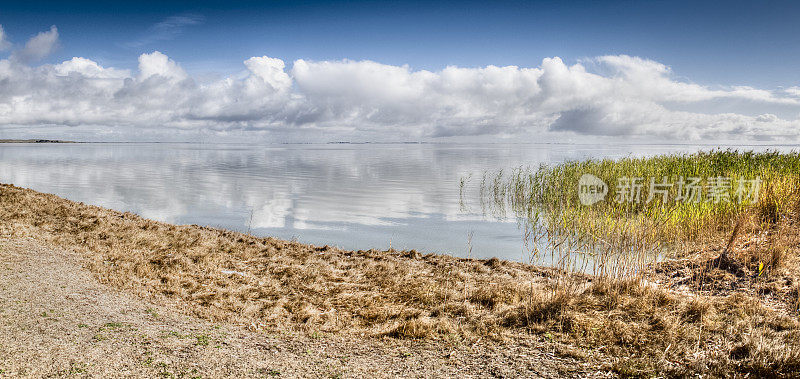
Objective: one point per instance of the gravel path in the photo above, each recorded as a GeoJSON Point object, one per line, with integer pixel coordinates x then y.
{"type": "Point", "coordinates": [56, 320]}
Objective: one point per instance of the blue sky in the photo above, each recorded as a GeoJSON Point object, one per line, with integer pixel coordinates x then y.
{"type": "Point", "coordinates": [413, 70]}
{"type": "Point", "coordinates": [727, 42]}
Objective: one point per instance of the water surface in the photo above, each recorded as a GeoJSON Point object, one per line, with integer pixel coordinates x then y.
{"type": "Point", "coordinates": [355, 196]}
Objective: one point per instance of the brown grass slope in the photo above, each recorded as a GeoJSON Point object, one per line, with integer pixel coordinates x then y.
{"type": "Point", "coordinates": [687, 316]}
{"type": "Point", "coordinates": [56, 320]}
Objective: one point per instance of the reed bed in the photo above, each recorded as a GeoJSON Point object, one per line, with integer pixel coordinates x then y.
{"type": "Point", "coordinates": [657, 206]}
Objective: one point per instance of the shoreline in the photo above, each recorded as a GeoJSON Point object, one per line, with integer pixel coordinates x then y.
{"type": "Point", "coordinates": [268, 286]}
{"type": "Point", "coordinates": [712, 146]}
{"type": "Point", "coordinates": [35, 141]}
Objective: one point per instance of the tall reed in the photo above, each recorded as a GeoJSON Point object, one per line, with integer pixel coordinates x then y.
{"type": "Point", "coordinates": [654, 205]}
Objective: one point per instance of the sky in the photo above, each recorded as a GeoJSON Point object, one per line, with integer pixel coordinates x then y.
{"type": "Point", "coordinates": [386, 71]}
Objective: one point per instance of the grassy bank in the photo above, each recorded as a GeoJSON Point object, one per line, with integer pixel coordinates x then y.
{"type": "Point", "coordinates": [685, 317]}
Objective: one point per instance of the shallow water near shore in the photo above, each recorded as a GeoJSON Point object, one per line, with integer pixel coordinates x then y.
{"type": "Point", "coordinates": [355, 196]}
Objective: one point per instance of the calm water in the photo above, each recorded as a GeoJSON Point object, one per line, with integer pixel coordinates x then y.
{"type": "Point", "coordinates": [353, 196]}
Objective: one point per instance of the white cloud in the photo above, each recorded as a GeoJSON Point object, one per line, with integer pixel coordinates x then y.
{"type": "Point", "coordinates": [619, 96]}
{"type": "Point", "coordinates": [83, 67]}
{"type": "Point", "coordinates": [793, 91]}
{"type": "Point", "coordinates": [4, 43]}
{"type": "Point", "coordinates": [157, 64]}
{"type": "Point", "coordinates": [767, 117]}
{"type": "Point", "coordinates": [38, 47]}
{"type": "Point", "coordinates": [270, 70]}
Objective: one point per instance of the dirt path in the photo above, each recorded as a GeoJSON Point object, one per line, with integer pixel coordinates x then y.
{"type": "Point", "coordinates": [56, 320]}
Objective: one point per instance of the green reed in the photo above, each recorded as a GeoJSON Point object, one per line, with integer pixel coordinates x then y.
{"type": "Point", "coordinates": [631, 230]}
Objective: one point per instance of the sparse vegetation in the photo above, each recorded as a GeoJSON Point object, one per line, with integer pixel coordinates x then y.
{"type": "Point", "coordinates": [151, 312]}
{"type": "Point", "coordinates": [202, 339]}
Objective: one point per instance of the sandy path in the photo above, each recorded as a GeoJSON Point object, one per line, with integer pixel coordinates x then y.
{"type": "Point", "coordinates": [56, 320]}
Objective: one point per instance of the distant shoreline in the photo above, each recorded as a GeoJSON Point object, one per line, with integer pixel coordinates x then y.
{"type": "Point", "coordinates": [34, 141]}
{"type": "Point", "coordinates": [712, 145]}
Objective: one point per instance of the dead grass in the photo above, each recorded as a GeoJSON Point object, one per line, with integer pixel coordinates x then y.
{"type": "Point", "coordinates": [275, 284]}
{"type": "Point", "coordinates": [684, 317]}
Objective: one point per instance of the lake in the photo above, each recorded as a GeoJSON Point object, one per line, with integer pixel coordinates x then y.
{"type": "Point", "coordinates": [355, 196]}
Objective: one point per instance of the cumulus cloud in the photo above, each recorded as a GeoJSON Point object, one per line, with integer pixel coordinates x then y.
{"type": "Point", "coordinates": [616, 96]}
{"type": "Point", "coordinates": [269, 70]}
{"type": "Point", "coordinates": [158, 64]}
{"type": "Point", "coordinates": [82, 67]}
{"type": "Point", "coordinates": [38, 47]}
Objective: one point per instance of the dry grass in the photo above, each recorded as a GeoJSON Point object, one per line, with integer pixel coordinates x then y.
{"type": "Point", "coordinates": [275, 284]}
{"type": "Point", "coordinates": [682, 317]}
